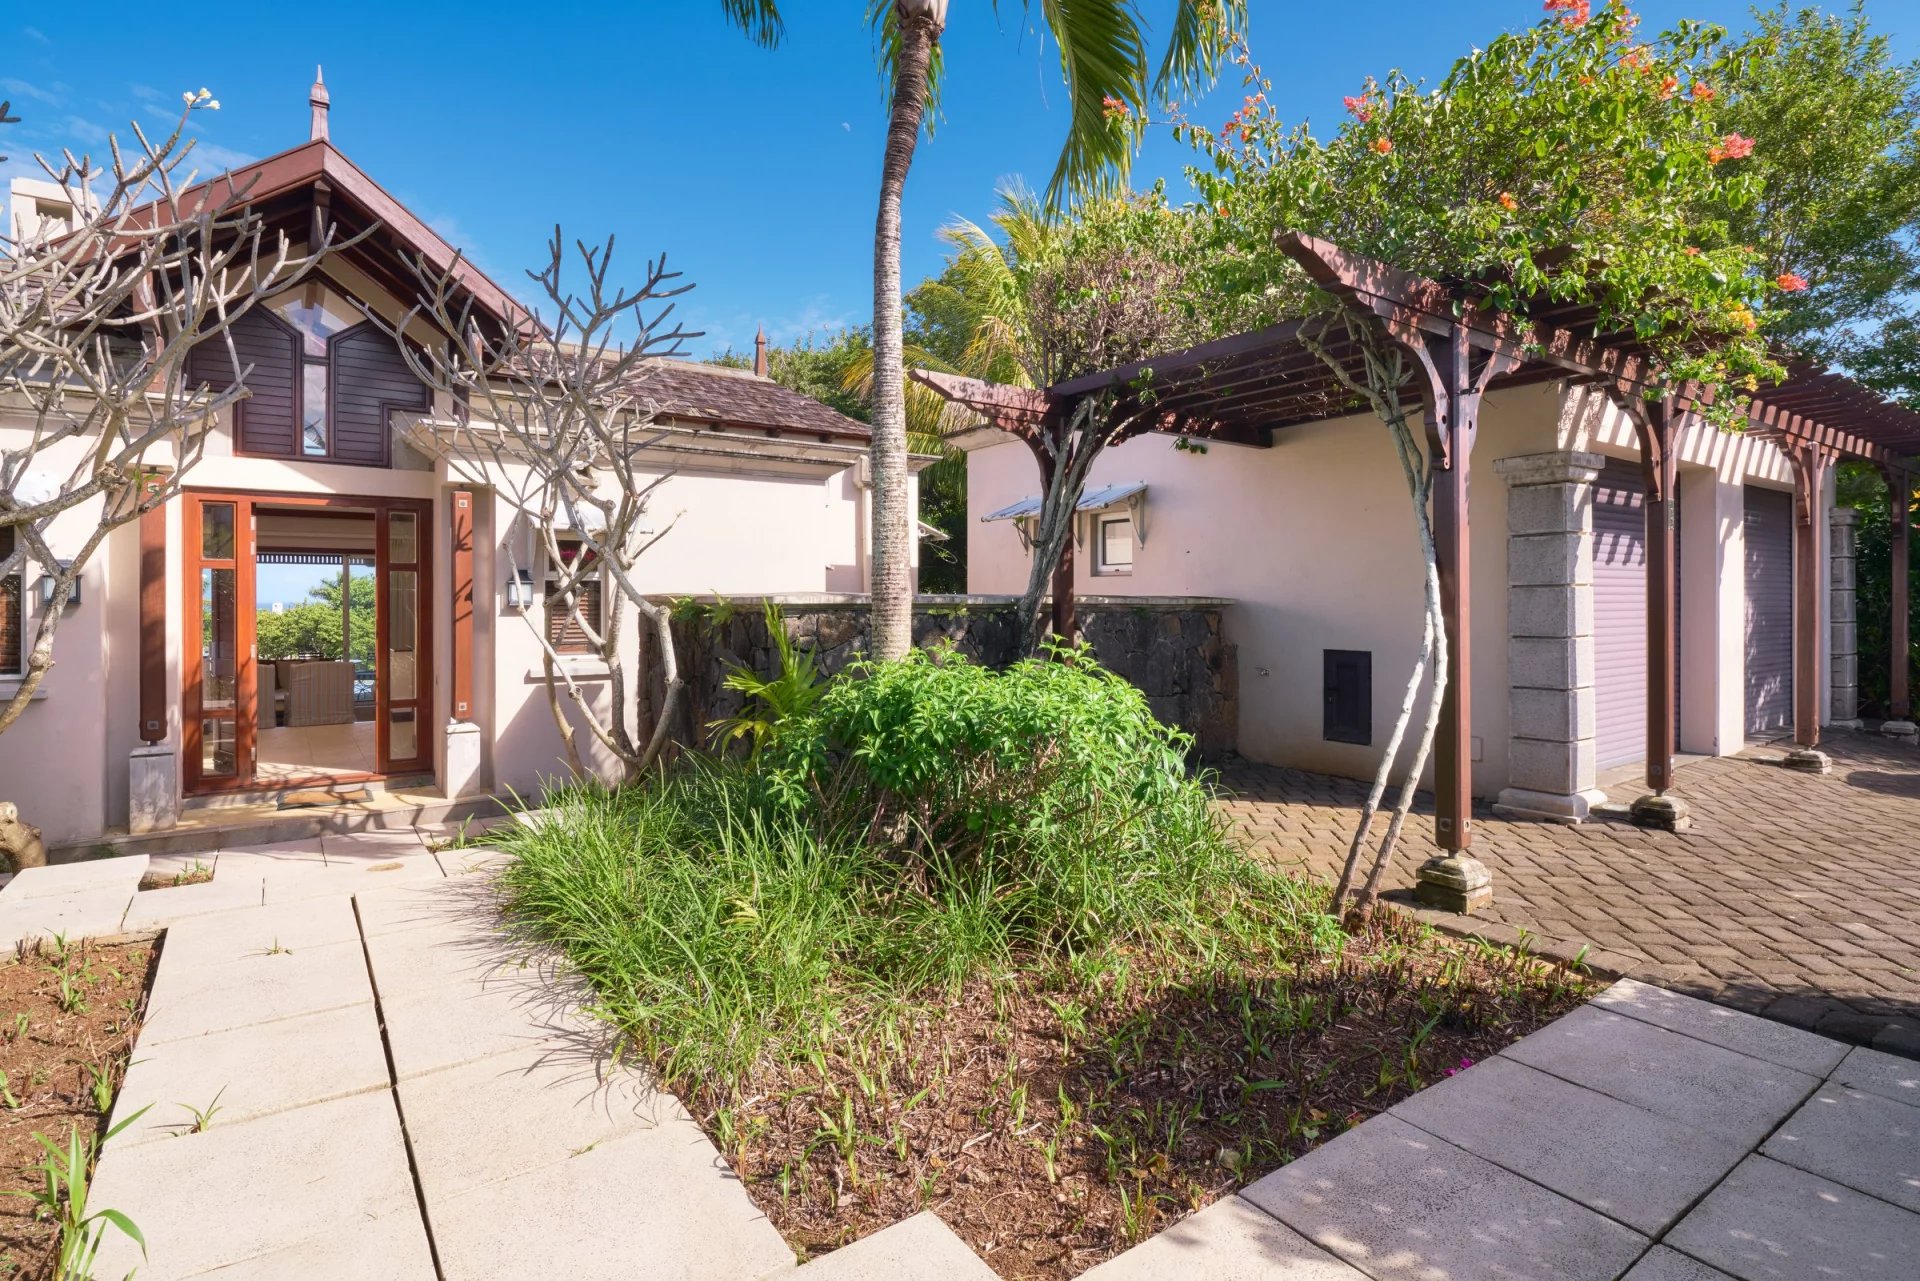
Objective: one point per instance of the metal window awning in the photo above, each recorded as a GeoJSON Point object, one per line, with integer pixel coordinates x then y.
{"type": "Point", "coordinates": [1131, 494]}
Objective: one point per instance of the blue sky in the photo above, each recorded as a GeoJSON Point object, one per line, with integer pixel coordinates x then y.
{"type": "Point", "coordinates": [754, 171]}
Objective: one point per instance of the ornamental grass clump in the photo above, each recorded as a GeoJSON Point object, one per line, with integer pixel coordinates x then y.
{"type": "Point", "coordinates": [930, 821]}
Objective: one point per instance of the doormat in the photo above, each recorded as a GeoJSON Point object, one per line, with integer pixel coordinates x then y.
{"type": "Point", "coordinates": [322, 796]}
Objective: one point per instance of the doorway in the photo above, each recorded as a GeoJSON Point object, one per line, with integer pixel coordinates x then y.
{"type": "Point", "coordinates": [313, 662]}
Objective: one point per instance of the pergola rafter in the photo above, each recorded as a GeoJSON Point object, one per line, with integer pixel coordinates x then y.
{"type": "Point", "coordinates": [1256, 383]}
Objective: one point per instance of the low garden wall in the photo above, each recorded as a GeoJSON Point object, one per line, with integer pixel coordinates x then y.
{"type": "Point", "coordinates": [1172, 648]}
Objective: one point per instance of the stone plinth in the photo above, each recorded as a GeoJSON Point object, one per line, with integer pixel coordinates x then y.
{"type": "Point", "coordinates": [463, 759]}
{"type": "Point", "coordinates": [1552, 760]}
{"type": "Point", "coordinates": [153, 788]}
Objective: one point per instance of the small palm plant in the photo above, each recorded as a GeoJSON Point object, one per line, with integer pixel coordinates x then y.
{"type": "Point", "coordinates": [793, 691]}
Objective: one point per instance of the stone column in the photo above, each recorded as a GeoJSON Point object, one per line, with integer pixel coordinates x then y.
{"type": "Point", "coordinates": [153, 788]}
{"type": "Point", "coordinates": [463, 759]}
{"type": "Point", "coordinates": [1845, 711]}
{"type": "Point", "coordinates": [1553, 762]}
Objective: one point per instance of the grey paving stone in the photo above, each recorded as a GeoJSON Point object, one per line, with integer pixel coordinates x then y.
{"type": "Point", "coordinates": [1402, 1205]}
{"type": "Point", "coordinates": [220, 938]}
{"type": "Point", "coordinates": [389, 907]}
{"type": "Point", "coordinates": [121, 873]}
{"type": "Point", "coordinates": [1230, 1240]}
{"type": "Point", "coordinates": [370, 847]}
{"type": "Point", "coordinates": [292, 884]}
{"type": "Point", "coordinates": [1869, 1143]}
{"type": "Point", "coordinates": [240, 1191]}
{"type": "Point", "coordinates": [446, 1026]}
{"type": "Point", "coordinates": [461, 862]}
{"type": "Point", "coordinates": [1748, 1033]}
{"type": "Point", "coordinates": [253, 1071]}
{"type": "Point", "coordinates": [1732, 1095]}
{"type": "Point", "coordinates": [261, 856]}
{"type": "Point", "coordinates": [151, 909]}
{"type": "Point", "coordinates": [560, 1104]}
{"type": "Point", "coordinates": [390, 1248]}
{"type": "Point", "coordinates": [83, 914]}
{"type": "Point", "coordinates": [193, 1000]}
{"type": "Point", "coordinates": [1887, 1075]}
{"type": "Point", "coordinates": [633, 1209]}
{"type": "Point", "coordinates": [1771, 1222]}
{"type": "Point", "coordinates": [442, 954]}
{"type": "Point", "coordinates": [1630, 1164]}
{"type": "Point", "coordinates": [1662, 1264]}
{"type": "Point", "coordinates": [918, 1249]}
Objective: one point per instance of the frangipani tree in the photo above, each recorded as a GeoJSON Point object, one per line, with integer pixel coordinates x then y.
{"type": "Point", "coordinates": [1575, 162]}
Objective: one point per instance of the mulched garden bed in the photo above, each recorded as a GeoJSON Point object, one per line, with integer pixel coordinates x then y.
{"type": "Point", "coordinates": [68, 1018]}
{"type": "Point", "coordinates": [1054, 1123]}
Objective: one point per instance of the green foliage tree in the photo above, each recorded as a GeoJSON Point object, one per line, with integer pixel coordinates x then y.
{"type": "Point", "coordinates": [312, 628]}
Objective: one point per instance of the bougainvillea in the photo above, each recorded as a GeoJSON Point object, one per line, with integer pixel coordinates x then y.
{"type": "Point", "coordinates": [1569, 161]}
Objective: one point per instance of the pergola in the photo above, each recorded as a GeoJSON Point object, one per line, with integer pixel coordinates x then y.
{"type": "Point", "coordinates": [1249, 386]}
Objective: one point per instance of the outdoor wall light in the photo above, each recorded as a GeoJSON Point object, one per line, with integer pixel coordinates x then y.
{"type": "Point", "coordinates": [520, 590]}
{"type": "Point", "coordinates": [49, 581]}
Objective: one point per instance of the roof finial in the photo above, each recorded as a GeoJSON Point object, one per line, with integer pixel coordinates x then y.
{"type": "Point", "coordinates": [760, 352]}
{"type": "Point", "coordinates": [317, 98]}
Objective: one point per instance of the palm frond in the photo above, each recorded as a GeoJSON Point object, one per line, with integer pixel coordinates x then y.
{"type": "Point", "coordinates": [760, 19]}
{"type": "Point", "coordinates": [1203, 30]}
{"type": "Point", "coordinates": [1104, 59]}
{"type": "Point", "coordinates": [883, 17]}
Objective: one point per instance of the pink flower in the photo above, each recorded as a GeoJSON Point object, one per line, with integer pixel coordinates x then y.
{"type": "Point", "coordinates": [1790, 282]}
{"type": "Point", "coordinates": [1731, 147]}
{"type": "Point", "coordinates": [1455, 1071]}
{"type": "Point", "coordinates": [1573, 13]}
{"type": "Point", "coordinates": [1382, 145]}
{"type": "Point", "coordinates": [1360, 107]}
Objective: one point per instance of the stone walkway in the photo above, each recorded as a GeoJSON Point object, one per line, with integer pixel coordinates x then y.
{"type": "Point", "coordinates": [1794, 895]}
{"type": "Point", "coordinates": [394, 1095]}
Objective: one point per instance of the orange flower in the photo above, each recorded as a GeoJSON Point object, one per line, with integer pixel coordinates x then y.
{"type": "Point", "coordinates": [1790, 282]}
{"type": "Point", "coordinates": [1702, 92]}
{"type": "Point", "coordinates": [1507, 201]}
{"type": "Point", "coordinates": [1360, 107]}
{"type": "Point", "coordinates": [1731, 147]}
{"type": "Point", "coordinates": [1693, 251]}
{"type": "Point", "coordinates": [1382, 146]}
{"type": "Point", "coordinates": [1114, 108]}
{"type": "Point", "coordinates": [1667, 87]}
{"type": "Point", "coordinates": [1573, 13]}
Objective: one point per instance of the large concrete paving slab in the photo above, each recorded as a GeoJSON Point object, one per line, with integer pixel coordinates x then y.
{"type": "Point", "coordinates": [443, 954]}
{"type": "Point", "coordinates": [1662, 1264]}
{"type": "Point", "coordinates": [309, 881]}
{"type": "Point", "coordinates": [222, 938]}
{"type": "Point", "coordinates": [260, 856]}
{"type": "Point", "coordinates": [560, 1104]}
{"type": "Point", "coordinates": [1775, 1042]}
{"type": "Point", "coordinates": [389, 907]}
{"type": "Point", "coordinates": [253, 1071]}
{"type": "Point", "coordinates": [1230, 1240]}
{"type": "Point", "coordinates": [121, 874]}
{"type": "Point", "coordinates": [84, 914]}
{"type": "Point", "coordinates": [193, 1000]}
{"type": "Point", "coordinates": [391, 1248]}
{"type": "Point", "coordinates": [1630, 1164]}
{"type": "Point", "coordinates": [633, 1209]}
{"type": "Point", "coordinates": [921, 1248]}
{"type": "Point", "coordinates": [1886, 1075]}
{"type": "Point", "coordinates": [462, 862]}
{"type": "Point", "coordinates": [152, 909]}
{"type": "Point", "coordinates": [1869, 1143]}
{"type": "Point", "coordinates": [1771, 1222]}
{"type": "Point", "coordinates": [241, 1191]}
{"type": "Point", "coordinates": [448, 1026]}
{"type": "Point", "coordinates": [1723, 1092]}
{"type": "Point", "coordinates": [1402, 1205]}
{"type": "Point", "coordinates": [370, 847]}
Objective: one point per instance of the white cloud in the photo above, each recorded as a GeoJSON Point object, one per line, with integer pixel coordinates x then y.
{"type": "Point", "coordinates": [23, 89]}
{"type": "Point", "coordinates": [211, 158]}
{"type": "Point", "coordinates": [35, 34]}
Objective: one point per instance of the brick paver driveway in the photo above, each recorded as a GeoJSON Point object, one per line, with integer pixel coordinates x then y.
{"type": "Point", "coordinates": [1795, 895]}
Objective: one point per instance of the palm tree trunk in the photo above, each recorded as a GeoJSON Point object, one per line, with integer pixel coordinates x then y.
{"type": "Point", "coordinates": [892, 583]}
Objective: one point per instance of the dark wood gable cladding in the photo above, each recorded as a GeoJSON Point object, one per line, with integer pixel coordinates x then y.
{"type": "Point", "coordinates": [367, 378]}
{"type": "Point", "coordinates": [268, 420]}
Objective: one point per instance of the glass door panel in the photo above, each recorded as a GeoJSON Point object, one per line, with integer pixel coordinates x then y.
{"type": "Point", "coordinates": [402, 680]}
{"type": "Point", "coordinates": [217, 687]}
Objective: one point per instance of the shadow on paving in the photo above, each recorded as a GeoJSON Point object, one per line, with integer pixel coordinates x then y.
{"type": "Point", "coordinates": [1794, 895]}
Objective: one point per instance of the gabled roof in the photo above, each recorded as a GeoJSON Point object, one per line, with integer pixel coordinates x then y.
{"type": "Point", "coordinates": [286, 189]}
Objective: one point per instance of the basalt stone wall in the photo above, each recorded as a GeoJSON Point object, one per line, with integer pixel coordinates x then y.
{"type": "Point", "coordinates": [1172, 648]}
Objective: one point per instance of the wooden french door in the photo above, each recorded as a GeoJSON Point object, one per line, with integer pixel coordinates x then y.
{"type": "Point", "coordinates": [220, 683]}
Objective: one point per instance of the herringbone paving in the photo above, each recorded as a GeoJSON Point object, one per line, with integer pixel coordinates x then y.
{"type": "Point", "coordinates": [1795, 895]}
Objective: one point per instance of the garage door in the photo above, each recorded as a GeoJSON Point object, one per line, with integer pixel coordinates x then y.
{"type": "Point", "coordinates": [1620, 613]}
{"type": "Point", "coordinates": [1769, 578]}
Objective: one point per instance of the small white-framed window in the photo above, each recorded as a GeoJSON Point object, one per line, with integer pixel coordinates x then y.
{"type": "Point", "coordinates": [1113, 544]}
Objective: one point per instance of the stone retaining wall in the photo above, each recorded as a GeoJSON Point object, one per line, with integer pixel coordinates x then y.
{"type": "Point", "coordinates": [1172, 648]}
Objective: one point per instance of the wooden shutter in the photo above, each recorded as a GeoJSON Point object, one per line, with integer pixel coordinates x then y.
{"type": "Point", "coordinates": [1348, 694]}
{"type": "Point", "coordinates": [1620, 614]}
{"type": "Point", "coordinates": [370, 378]}
{"type": "Point", "coordinates": [11, 619]}
{"type": "Point", "coordinates": [563, 627]}
{"type": "Point", "coordinates": [267, 421]}
{"type": "Point", "coordinates": [1768, 528]}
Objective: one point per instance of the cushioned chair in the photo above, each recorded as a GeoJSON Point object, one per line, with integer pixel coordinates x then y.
{"type": "Point", "coordinates": [321, 694]}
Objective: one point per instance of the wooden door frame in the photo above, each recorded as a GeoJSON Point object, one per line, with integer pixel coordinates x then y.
{"type": "Point", "coordinates": [246, 713]}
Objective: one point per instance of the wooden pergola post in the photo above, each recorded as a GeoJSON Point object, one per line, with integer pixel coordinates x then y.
{"type": "Point", "coordinates": [1812, 462]}
{"type": "Point", "coordinates": [1900, 622]}
{"type": "Point", "coordinates": [1656, 425]}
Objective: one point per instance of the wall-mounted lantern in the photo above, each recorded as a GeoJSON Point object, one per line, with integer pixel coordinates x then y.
{"type": "Point", "coordinates": [520, 590]}
{"type": "Point", "coordinates": [49, 581]}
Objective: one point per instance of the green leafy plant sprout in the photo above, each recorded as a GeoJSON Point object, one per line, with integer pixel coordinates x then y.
{"type": "Point", "coordinates": [202, 1117]}
{"type": "Point", "coordinates": [771, 700]}
{"type": "Point", "coordinates": [65, 1175]}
